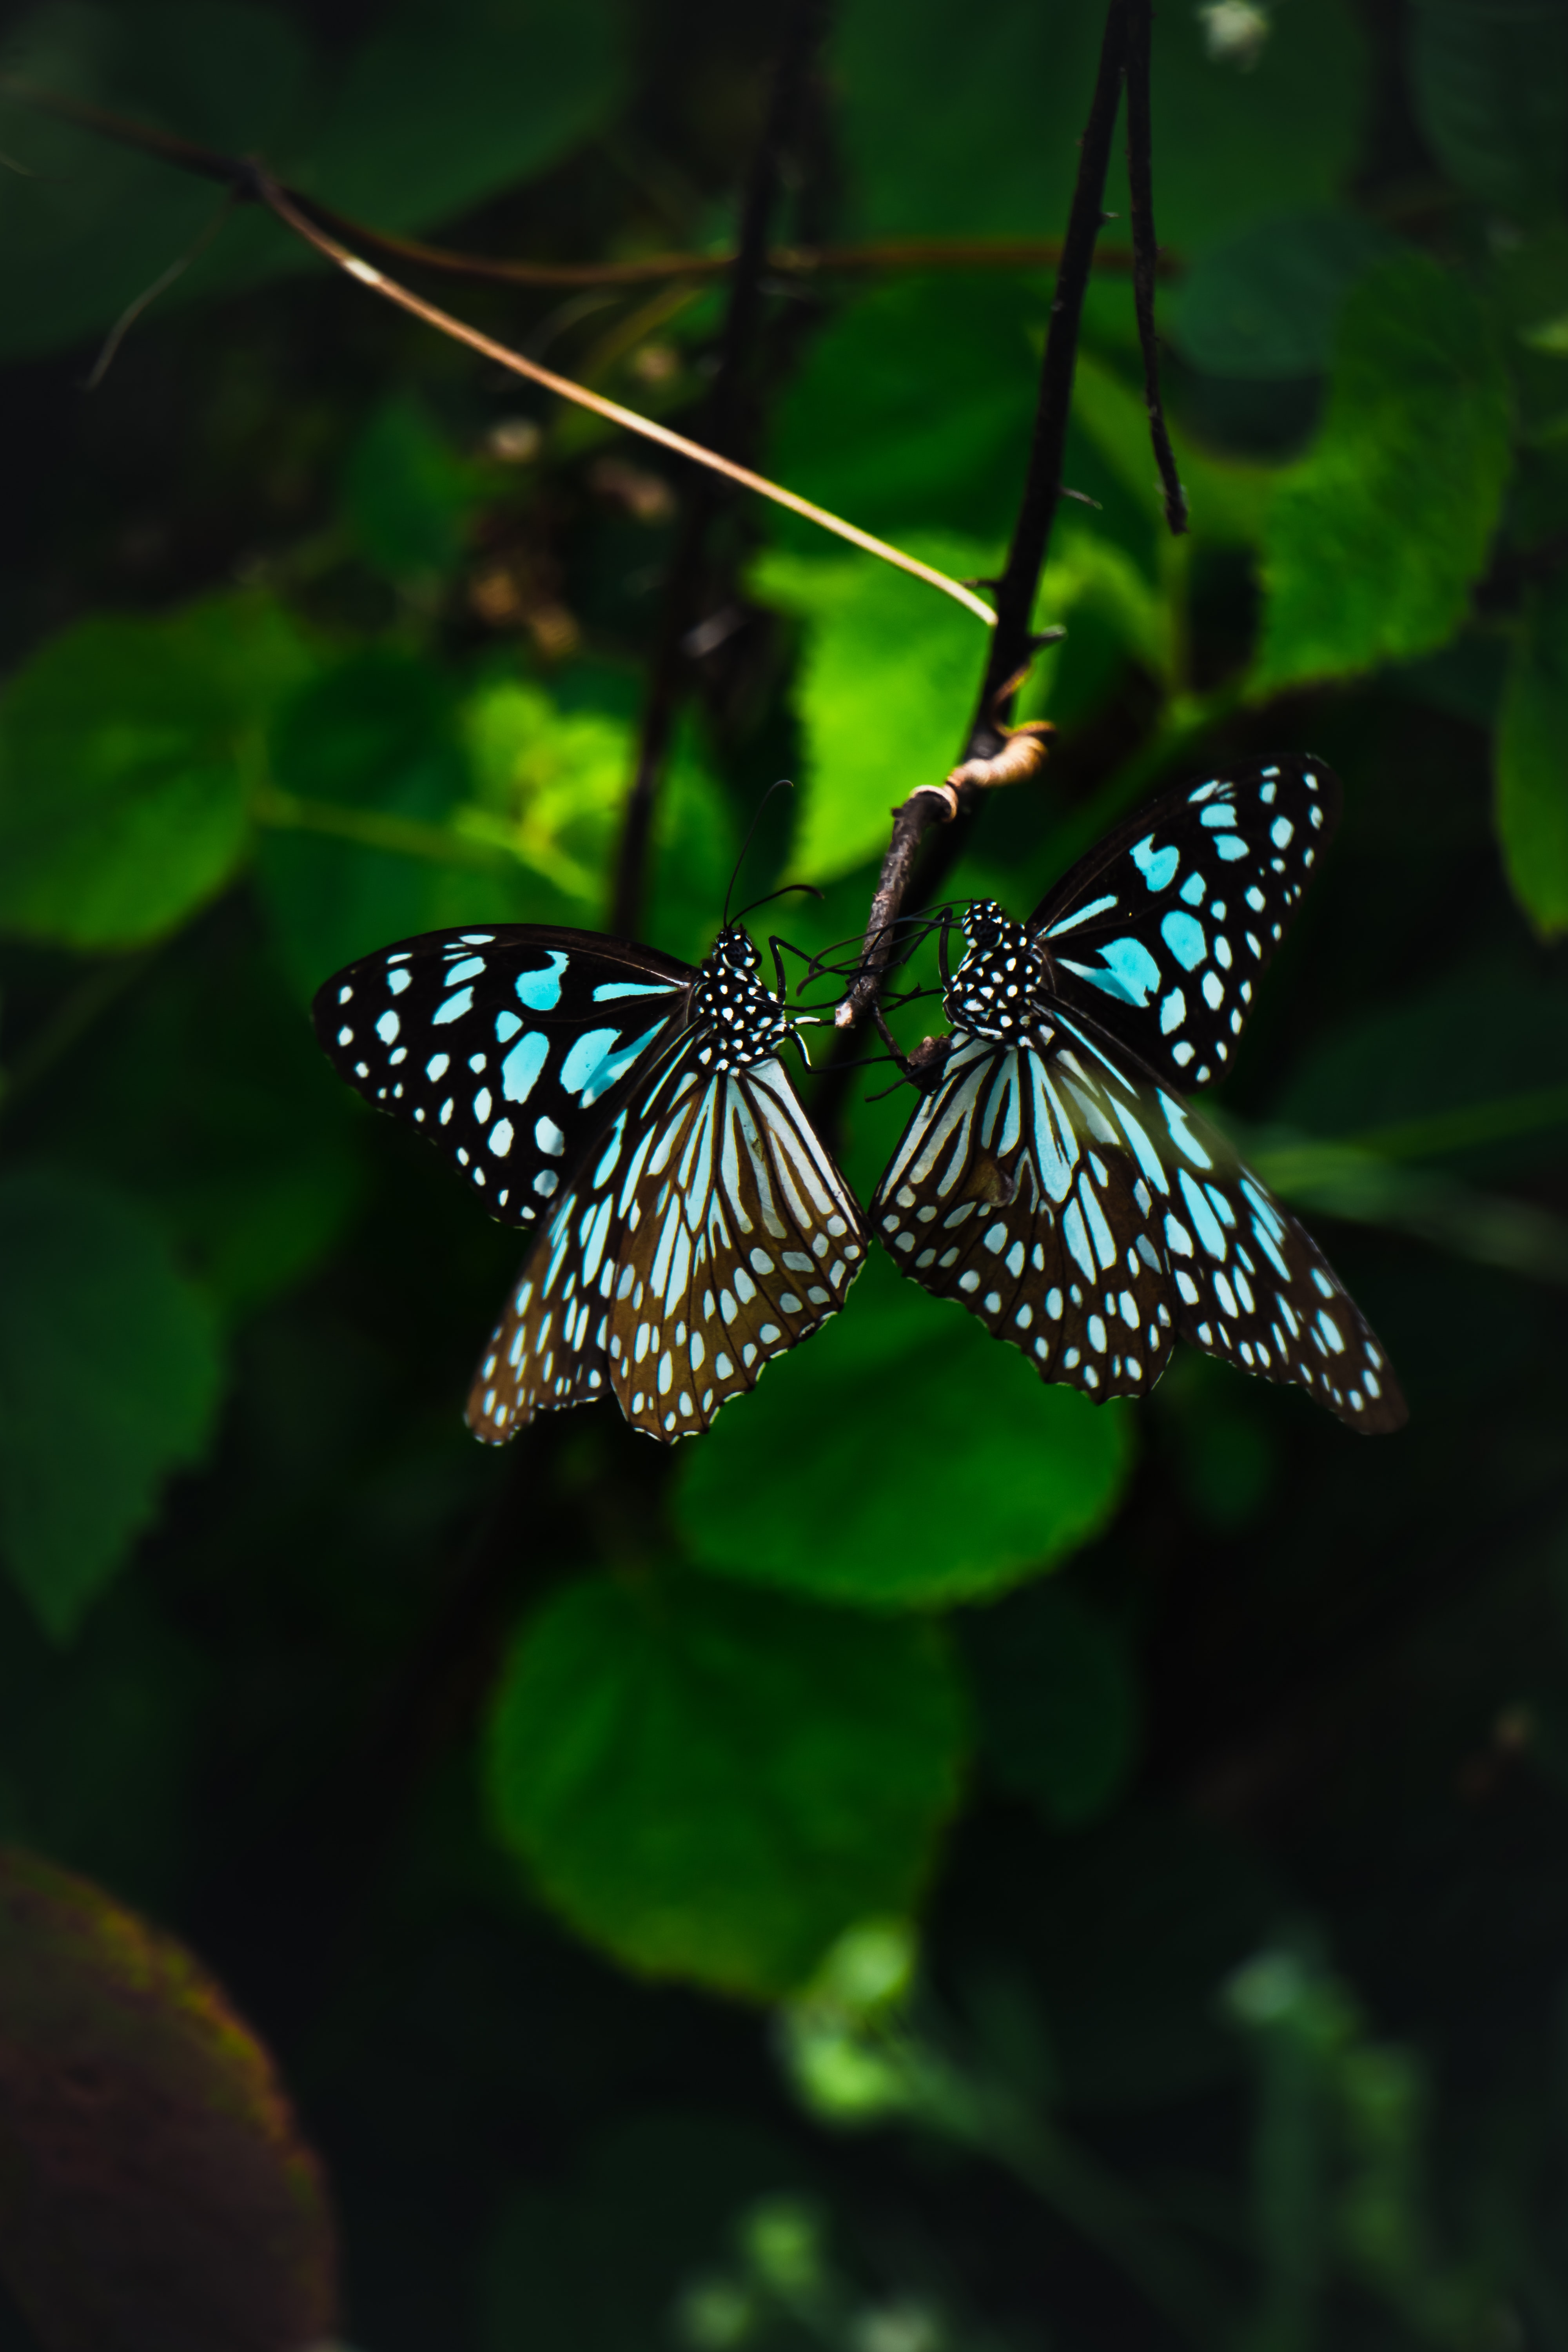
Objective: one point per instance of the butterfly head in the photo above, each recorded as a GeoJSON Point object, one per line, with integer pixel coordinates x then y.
{"type": "Point", "coordinates": [745, 1019]}
{"type": "Point", "coordinates": [994, 991]}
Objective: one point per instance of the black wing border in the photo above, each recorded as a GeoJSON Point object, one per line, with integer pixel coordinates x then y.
{"type": "Point", "coordinates": [1075, 884]}
{"type": "Point", "coordinates": [617, 954]}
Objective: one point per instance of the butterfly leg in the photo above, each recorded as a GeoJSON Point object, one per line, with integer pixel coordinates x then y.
{"type": "Point", "coordinates": [942, 949]}
{"type": "Point", "coordinates": [891, 1042]}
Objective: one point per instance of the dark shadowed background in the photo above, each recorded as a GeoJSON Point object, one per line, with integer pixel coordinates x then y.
{"type": "Point", "coordinates": [932, 1865]}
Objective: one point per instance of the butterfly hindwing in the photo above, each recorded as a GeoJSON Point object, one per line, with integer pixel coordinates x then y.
{"type": "Point", "coordinates": [1266, 1299]}
{"type": "Point", "coordinates": [1014, 1192]}
{"type": "Point", "coordinates": [508, 1048]}
{"type": "Point", "coordinates": [1088, 1215]}
{"type": "Point", "coordinates": [1162, 933]}
{"type": "Point", "coordinates": [709, 1232]}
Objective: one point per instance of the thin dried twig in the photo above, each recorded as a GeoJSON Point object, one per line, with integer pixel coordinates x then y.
{"type": "Point", "coordinates": [146, 300]}
{"type": "Point", "coordinates": [1015, 643]}
{"type": "Point", "coordinates": [784, 261]}
{"type": "Point", "coordinates": [995, 754]}
{"type": "Point", "coordinates": [268, 191]}
{"type": "Point", "coordinates": [723, 429]}
{"type": "Point", "coordinates": [251, 183]}
{"type": "Point", "coordinates": [1146, 252]}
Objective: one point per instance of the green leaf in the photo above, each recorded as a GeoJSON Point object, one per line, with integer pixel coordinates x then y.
{"type": "Point", "coordinates": [551, 777]}
{"type": "Point", "coordinates": [713, 1784]}
{"type": "Point", "coordinates": [1532, 761]}
{"type": "Point", "coordinates": [446, 100]}
{"type": "Point", "coordinates": [402, 807]}
{"type": "Point", "coordinates": [154, 2187]}
{"type": "Point", "coordinates": [1372, 542]}
{"type": "Point", "coordinates": [959, 119]}
{"type": "Point", "coordinates": [109, 1382]}
{"type": "Point", "coordinates": [1231, 141]}
{"type": "Point", "coordinates": [928, 1463]}
{"type": "Point", "coordinates": [1057, 1702]}
{"type": "Point", "coordinates": [848, 434]}
{"type": "Point", "coordinates": [441, 104]}
{"type": "Point", "coordinates": [1490, 87]}
{"type": "Point", "coordinates": [208, 1097]}
{"type": "Point", "coordinates": [888, 677]}
{"type": "Point", "coordinates": [375, 738]}
{"type": "Point", "coordinates": [407, 494]}
{"type": "Point", "coordinates": [129, 750]}
{"type": "Point", "coordinates": [1092, 579]}
{"type": "Point", "coordinates": [1267, 303]}
{"type": "Point", "coordinates": [87, 226]}
{"type": "Point", "coordinates": [695, 845]}
{"type": "Point", "coordinates": [1229, 496]}
{"type": "Point", "coordinates": [962, 120]}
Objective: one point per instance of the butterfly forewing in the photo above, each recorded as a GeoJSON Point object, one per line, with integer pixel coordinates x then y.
{"type": "Point", "coordinates": [1162, 933]}
{"type": "Point", "coordinates": [632, 1110]}
{"type": "Point", "coordinates": [712, 1232]}
{"type": "Point", "coordinates": [508, 1048]}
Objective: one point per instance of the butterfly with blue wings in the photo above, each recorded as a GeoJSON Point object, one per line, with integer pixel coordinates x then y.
{"type": "Point", "coordinates": [1053, 1179]}
{"type": "Point", "coordinates": [631, 1111]}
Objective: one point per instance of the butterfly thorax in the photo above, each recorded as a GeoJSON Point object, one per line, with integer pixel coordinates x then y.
{"type": "Point", "coordinates": [745, 1020]}
{"type": "Point", "coordinates": [996, 989]}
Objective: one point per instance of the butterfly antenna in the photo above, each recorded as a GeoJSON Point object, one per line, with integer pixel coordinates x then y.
{"type": "Point", "coordinates": [782, 891]}
{"type": "Point", "coordinates": [819, 968]}
{"type": "Point", "coordinates": [783, 785]}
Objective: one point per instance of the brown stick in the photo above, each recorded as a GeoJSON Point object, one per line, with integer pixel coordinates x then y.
{"type": "Point", "coordinates": [1014, 644]}
{"type": "Point", "coordinates": [268, 191]}
{"type": "Point", "coordinates": [1146, 252]}
{"type": "Point", "coordinates": [931, 252]}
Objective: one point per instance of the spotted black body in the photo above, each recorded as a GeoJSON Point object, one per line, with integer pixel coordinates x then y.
{"type": "Point", "coordinates": [1054, 1181]}
{"type": "Point", "coordinates": [632, 1113]}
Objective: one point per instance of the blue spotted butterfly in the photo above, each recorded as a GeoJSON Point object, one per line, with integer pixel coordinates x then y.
{"type": "Point", "coordinates": [631, 1111]}
{"type": "Point", "coordinates": [1052, 1179]}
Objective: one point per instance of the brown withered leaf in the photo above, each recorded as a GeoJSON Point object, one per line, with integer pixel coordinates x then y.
{"type": "Point", "coordinates": [156, 2194]}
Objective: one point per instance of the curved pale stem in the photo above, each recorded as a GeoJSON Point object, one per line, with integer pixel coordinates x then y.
{"type": "Point", "coordinates": [562, 386]}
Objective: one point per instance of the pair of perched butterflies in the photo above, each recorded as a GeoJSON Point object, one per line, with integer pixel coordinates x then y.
{"type": "Point", "coordinates": [633, 1113]}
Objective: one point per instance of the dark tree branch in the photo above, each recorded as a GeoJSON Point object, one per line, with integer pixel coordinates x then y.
{"type": "Point", "coordinates": [1146, 252]}
{"type": "Point", "coordinates": [1013, 643]}
{"type": "Point", "coordinates": [723, 426]}
{"type": "Point", "coordinates": [1013, 646]}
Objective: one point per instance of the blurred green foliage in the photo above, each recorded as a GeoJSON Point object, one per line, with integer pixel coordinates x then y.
{"type": "Point", "coordinates": [710, 1785]}
{"type": "Point", "coordinates": [107, 1358]}
{"type": "Point", "coordinates": [1531, 805]}
{"type": "Point", "coordinates": [512, 88]}
{"type": "Point", "coordinates": [1033, 1476]}
{"type": "Point", "coordinates": [130, 750]}
{"type": "Point", "coordinates": [1416, 427]}
{"type": "Point", "coordinates": [935, 1867]}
